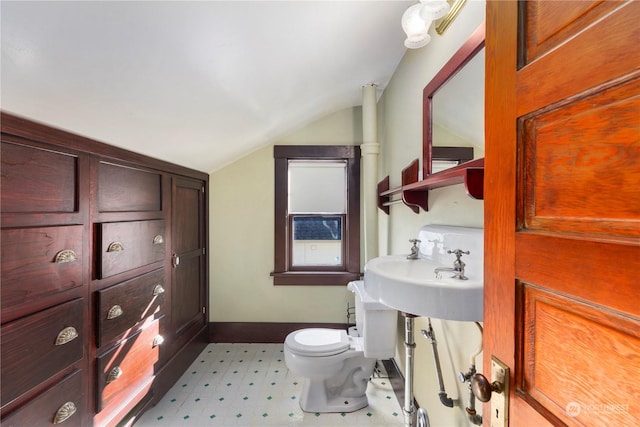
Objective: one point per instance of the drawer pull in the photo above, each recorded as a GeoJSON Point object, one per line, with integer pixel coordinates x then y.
{"type": "Point", "coordinates": [157, 341]}
{"type": "Point", "coordinates": [66, 335]}
{"type": "Point", "coordinates": [115, 247]}
{"type": "Point", "coordinates": [158, 290]}
{"type": "Point", "coordinates": [115, 311]}
{"type": "Point", "coordinates": [66, 255]}
{"type": "Point", "coordinates": [114, 374]}
{"type": "Point", "coordinates": [64, 412]}
{"type": "Point", "coordinates": [158, 239]}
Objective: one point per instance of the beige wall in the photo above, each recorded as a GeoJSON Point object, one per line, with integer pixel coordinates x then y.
{"type": "Point", "coordinates": [241, 207]}
{"type": "Point", "coordinates": [241, 240]}
{"type": "Point", "coordinates": [400, 127]}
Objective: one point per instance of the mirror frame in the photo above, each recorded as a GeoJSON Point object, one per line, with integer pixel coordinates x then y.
{"type": "Point", "coordinates": [467, 51]}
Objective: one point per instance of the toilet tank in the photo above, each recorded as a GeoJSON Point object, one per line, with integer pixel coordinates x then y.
{"type": "Point", "coordinates": [375, 323]}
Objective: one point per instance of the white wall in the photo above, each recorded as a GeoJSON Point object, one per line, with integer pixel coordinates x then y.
{"type": "Point", "coordinates": [400, 122]}
{"type": "Point", "coordinates": [242, 236]}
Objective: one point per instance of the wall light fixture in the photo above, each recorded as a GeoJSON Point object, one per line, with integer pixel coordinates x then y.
{"type": "Point", "coordinates": [418, 18]}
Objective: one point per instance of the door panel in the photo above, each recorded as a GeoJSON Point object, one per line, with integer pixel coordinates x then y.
{"type": "Point", "coordinates": [575, 158]}
{"type": "Point", "coordinates": [606, 47]}
{"type": "Point", "coordinates": [187, 301]}
{"type": "Point", "coordinates": [188, 288]}
{"type": "Point", "coordinates": [562, 209]}
{"type": "Point", "coordinates": [600, 343]}
{"type": "Point", "coordinates": [551, 23]}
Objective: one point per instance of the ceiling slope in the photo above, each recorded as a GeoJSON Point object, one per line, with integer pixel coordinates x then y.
{"type": "Point", "coordinates": [198, 83]}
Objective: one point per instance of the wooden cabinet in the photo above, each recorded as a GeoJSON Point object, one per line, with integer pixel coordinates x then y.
{"type": "Point", "coordinates": [127, 305]}
{"type": "Point", "coordinates": [127, 189]}
{"type": "Point", "coordinates": [37, 347]}
{"type": "Point", "coordinates": [39, 264]}
{"type": "Point", "coordinates": [127, 245]}
{"type": "Point", "coordinates": [89, 279]}
{"type": "Point", "coordinates": [129, 366]}
{"type": "Point", "coordinates": [62, 403]}
{"type": "Point", "coordinates": [44, 282]}
{"type": "Point", "coordinates": [188, 258]}
{"type": "Point", "coordinates": [38, 180]}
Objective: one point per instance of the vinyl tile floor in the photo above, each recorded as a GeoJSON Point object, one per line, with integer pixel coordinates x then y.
{"type": "Point", "coordinates": [249, 385]}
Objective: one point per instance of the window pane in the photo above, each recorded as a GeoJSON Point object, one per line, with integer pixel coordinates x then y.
{"type": "Point", "coordinates": [317, 240]}
{"type": "Point", "coordinates": [317, 186]}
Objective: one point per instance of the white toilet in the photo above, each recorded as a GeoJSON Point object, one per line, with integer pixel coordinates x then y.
{"type": "Point", "coordinates": [337, 366]}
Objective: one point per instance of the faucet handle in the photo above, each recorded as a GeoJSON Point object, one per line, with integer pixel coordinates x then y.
{"type": "Point", "coordinates": [458, 253]}
{"type": "Point", "coordinates": [414, 249]}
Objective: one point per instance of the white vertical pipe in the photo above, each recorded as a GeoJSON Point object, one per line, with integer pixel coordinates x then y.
{"type": "Point", "coordinates": [370, 150]}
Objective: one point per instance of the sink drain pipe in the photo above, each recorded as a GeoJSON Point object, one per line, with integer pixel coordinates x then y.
{"type": "Point", "coordinates": [423, 418]}
{"type": "Point", "coordinates": [431, 336]}
{"type": "Point", "coordinates": [408, 409]}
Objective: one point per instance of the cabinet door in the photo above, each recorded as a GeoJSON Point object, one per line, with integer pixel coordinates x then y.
{"type": "Point", "coordinates": [188, 285]}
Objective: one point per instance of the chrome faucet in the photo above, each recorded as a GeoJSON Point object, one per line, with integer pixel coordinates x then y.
{"type": "Point", "coordinates": [458, 266]}
{"type": "Point", "coordinates": [414, 249]}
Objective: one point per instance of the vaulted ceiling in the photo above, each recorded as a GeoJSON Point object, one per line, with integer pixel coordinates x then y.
{"type": "Point", "coordinates": [197, 83]}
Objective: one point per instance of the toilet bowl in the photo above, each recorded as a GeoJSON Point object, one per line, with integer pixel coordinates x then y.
{"type": "Point", "coordinates": [336, 367]}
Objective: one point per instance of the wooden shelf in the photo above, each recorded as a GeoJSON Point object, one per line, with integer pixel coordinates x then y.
{"type": "Point", "coordinates": [415, 193]}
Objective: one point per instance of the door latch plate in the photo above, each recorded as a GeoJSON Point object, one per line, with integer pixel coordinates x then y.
{"type": "Point", "coordinates": [500, 401]}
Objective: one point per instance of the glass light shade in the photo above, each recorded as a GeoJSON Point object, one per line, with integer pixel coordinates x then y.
{"type": "Point", "coordinates": [417, 41]}
{"type": "Point", "coordinates": [415, 27]}
{"type": "Point", "coordinates": [432, 10]}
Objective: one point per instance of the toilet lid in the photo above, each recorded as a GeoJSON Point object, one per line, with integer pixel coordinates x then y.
{"type": "Point", "coordinates": [317, 342]}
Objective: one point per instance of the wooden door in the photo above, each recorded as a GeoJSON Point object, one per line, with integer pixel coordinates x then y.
{"type": "Point", "coordinates": [562, 210]}
{"type": "Point", "coordinates": [188, 284]}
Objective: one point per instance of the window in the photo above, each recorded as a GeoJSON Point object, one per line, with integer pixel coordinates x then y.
{"type": "Point", "coordinates": [317, 215]}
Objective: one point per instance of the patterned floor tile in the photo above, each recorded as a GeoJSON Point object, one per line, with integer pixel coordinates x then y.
{"type": "Point", "coordinates": [249, 385]}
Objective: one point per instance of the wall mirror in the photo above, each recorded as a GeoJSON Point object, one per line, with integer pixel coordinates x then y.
{"type": "Point", "coordinates": [453, 109]}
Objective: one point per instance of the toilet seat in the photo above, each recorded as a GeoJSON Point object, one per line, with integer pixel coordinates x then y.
{"type": "Point", "coordinates": [317, 342]}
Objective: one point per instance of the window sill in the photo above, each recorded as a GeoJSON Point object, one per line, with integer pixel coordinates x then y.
{"type": "Point", "coordinates": [314, 278]}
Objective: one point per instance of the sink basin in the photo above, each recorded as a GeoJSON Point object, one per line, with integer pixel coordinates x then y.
{"type": "Point", "coordinates": [411, 286]}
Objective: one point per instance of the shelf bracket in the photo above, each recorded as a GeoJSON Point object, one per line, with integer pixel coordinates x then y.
{"type": "Point", "coordinates": [383, 199]}
{"type": "Point", "coordinates": [415, 199]}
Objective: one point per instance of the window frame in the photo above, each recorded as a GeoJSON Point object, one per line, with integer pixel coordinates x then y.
{"type": "Point", "coordinates": [284, 273]}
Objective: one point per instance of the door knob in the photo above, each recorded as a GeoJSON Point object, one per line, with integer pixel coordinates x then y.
{"type": "Point", "coordinates": [482, 388]}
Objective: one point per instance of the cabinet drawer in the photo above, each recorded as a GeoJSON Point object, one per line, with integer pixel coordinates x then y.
{"type": "Point", "coordinates": [128, 367]}
{"type": "Point", "coordinates": [37, 347]}
{"type": "Point", "coordinates": [126, 189]}
{"type": "Point", "coordinates": [37, 263]}
{"type": "Point", "coordinates": [36, 180]}
{"type": "Point", "coordinates": [61, 404]}
{"type": "Point", "coordinates": [128, 245]}
{"type": "Point", "coordinates": [125, 305]}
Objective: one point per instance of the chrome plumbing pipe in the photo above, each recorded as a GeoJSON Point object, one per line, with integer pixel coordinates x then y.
{"type": "Point", "coordinates": [409, 349]}
{"type": "Point", "coordinates": [423, 418]}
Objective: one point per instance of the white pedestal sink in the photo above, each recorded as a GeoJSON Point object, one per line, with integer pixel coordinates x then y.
{"type": "Point", "coordinates": [413, 287]}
